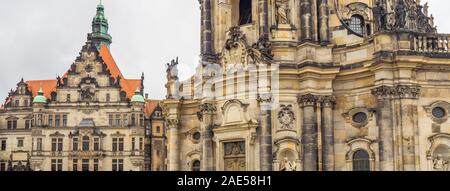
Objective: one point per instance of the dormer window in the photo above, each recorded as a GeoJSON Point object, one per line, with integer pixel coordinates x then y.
{"type": "Point", "coordinates": [245, 12]}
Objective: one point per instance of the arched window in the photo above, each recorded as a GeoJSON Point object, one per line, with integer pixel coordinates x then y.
{"type": "Point", "coordinates": [196, 165]}
{"type": "Point", "coordinates": [361, 161]}
{"type": "Point", "coordinates": [245, 12]}
{"type": "Point", "coordinates": [357, 24]}
{"type": "Point", "coordinates": [85, 143]}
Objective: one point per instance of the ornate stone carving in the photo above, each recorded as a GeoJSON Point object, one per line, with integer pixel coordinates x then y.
{"type": "Point", "coordinates": [264, 46]}
{"type": "Point", "coordinates": [234, 37]}
{"type": "Point", "coordinates": [87, 94]}
{"type": "Point", "coordinates": [265, 98]}
{"type": "Point", "coordinates": [287, 165]}
{"type": "Point", "coordinates": [282, 12]}
{"type": "Point", "coordinates": [286, 116]}
{"type": "Point", "coordinates": [172, 70]}
{"type": "Point", "coordinates": [308, 99]}
{"type": "Point", "coordinates": [208, 108]}
{"type": "Point", "coordinates": [439, 163]}
{"type": "Point", "coordinates": [400, 15]}
{"type": "Point", "coordinates": [327, 101]}
{"type": "Point", "coordinates": [402, 91]}
{"type": "Point", "coordinates": [172, 123]}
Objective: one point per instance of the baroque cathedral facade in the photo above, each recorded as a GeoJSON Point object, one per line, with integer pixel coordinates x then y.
{"type": "Point", "coordinates": [91, 118]}
{"type": "Point", "coordinates": [312, 85]}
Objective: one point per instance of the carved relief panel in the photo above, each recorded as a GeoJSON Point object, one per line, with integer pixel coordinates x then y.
{"type": "Point", "coordinates": [234, 156]}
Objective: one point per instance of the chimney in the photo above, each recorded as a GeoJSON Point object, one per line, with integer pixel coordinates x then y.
{"type": "Point", "coordinates": [146, 96]}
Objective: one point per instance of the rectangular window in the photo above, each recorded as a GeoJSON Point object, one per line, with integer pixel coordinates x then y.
{"type": "Point", "coordinates": [3, 148]}
{"type": "Point", "coordinates": [132, 143]}
{"type": "Point", "coordinates": [68, 98]}
{"type": "Point", "coordinates": [60, 144]}
{"type": "Point", "coordinates": [64, 121]}
{"type": "Point", "coordinates": [17, 103]}
{"type": "Point", "coordinates": [20, 142]}
{"type": "Point", "coordinates": [108, 97]}
{"type": "Point", "coordinates": [141, 120]}
{"type": "Point", "coordinates": [111, 120]}
{"type": "Point", "coordinates": [2, 166]}
{"type": "Point", "coordinates": [12, 124]}
{"type": "Point", "coordinates": [39, 120]}
{"type": "Point", "coordinates": [75, 165]}
{"type": "Point", "coordinates": [26, 103]}
{"type": "Point", "coordinates": [75, 144]}
{"type": "Point", "coordinates": [95, 164]}
{"type": "Point", "coordinates": [57, 120]}
{"type": "Point", "coordinates": [85, 165]}
{"type": "Point", "coordinates": [85, 143]}
{"type": "Point", "coordinates": [118, 120]}
{"type": "Point", "coordinates": [96, 144]}
{"type": "Point", "coordinates": [56, 165]}
{"type": "Point", "coordinates": [141, 144]}
{"type": "Point", "coordinates": [121, 144]}
{"type": "Point", "coordinates": [125, 120]}
{"type": "Point", "coordinates": [117, 164]}
{"type": "Point", "coordinates": [133, 120]}
{"type": "Point", "coordinates": [27, 124]}
{"type": "Point", "coordinates": [57, 144]}
{"type": "Point", "coordinates": [39, 144]}
{"type": "Point", "coordinates": [245, 12]}
{"type": "Point", "coordinates": [114, 144]}
{"type": "Point", "coordinates": [50, 120]}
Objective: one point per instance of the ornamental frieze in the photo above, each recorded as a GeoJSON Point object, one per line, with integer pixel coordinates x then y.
{"type": "Point", "coordinates": [402, 91]}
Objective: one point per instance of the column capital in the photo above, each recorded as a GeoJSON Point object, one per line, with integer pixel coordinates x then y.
{"type": "Point", "coordinates": [307, 100]}
{"type": "Point", "coordinates": [265, 98]}
{"type": "Point", "coordinates": [172, 123]}
{"type": "Point", "coordinates": [327, 101]}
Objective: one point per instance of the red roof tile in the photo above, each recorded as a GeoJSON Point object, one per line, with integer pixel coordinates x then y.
{"type": "Point", "coordinates": [150, 106]}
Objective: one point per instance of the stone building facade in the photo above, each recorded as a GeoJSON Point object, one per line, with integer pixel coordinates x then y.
{"type": "Point", "coordinates": [313, 85]}
{"type": "Point", "coordinates": [90, 119]}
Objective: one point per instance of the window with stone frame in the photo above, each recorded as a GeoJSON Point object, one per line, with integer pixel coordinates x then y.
{"type": "Point", "coordinates": [118, 120]}
{"type": "Point", "coordinates": [64, 121]}
{"type": "Point", "coordinates": [39, 144]}
{"type": "Point", "coordinates": [12, 124]}
{"type": "Point", "coordinates": [68, 99]}
{"type": "Point", "coordinates": [50, 120]}
{"type": "Point", "coordinates": [27, 124]}
{"type": "Point", "coordinates": [85, 143]}
{"type": "Point", "coordinates": [3, 145]}
{"type": "Point", "coordinates": [95, 165]}
{"type": "Point", "coordinates": [125, 120]}
{"type": "Point", "coordinates": [245, 12]}
{"type": "Point", "coordinates": [117, 144]}
{"type": "Point", "coordinates": [96, 144]}
{"type": "Point", "coordinates": [75, 144]}
{"type": "Point", "coordinates": [20, 142]}
{"type": "Point", "coordinates": [75, 165]}
{"type": "Point", "coordinates": [2, 166]}
{"type": "Point", "coordinates": [111, 120]}
{"type": "Point", "coordinates": [39, 120]}
{"type": "Point", "coordinates": [357, 24]}
{"type": "Point", "coordinates": [108, 97]}
{"type": "Point", "coordinates": [57, 120]}
{"type": "Point", "coordinates": [56, 165]}
{"type": "Point", "coordinates": [133, 140]}
{"type": "Point", "coordinates": [57, 144]}
{"type": "Point", "coordinates": [85, 165]}
{"type": "Point", "coordinates": [361, 161]}
{"type": "Point", "coordinates": [117, 164]}
{"type": "Point", "coordinates": [141, 144]}
{"type": "Point", "coordinates": [141, 120]}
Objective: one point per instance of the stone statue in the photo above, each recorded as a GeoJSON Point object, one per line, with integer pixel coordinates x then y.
{"type": "Point", "coordinates": [172, 70]}
{"type": "Point", "coordinates": [282, 11]}
{"type": "Point", "coordinates": [379, 14]}
{"type": "Point", "coordinates": [439, 163]}
{"type": "Point", "coordinates": [425, 9]}
{"type": "Point", "coordinates": [400, 15]}
{"type": "Point", "coordinates": [287, 165]}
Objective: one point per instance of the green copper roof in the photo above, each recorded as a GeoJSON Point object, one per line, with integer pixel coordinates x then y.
{"type": "Point", "coordinates": [40, 98]}
{"type": "Point", "coordinates": [100, 35]}
{"type": "Point", "coordinates": [137, 98]}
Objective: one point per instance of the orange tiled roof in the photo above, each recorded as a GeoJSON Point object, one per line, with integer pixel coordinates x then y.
{"type": "Point", "coordinates": [127, 85]}
{"type": "Point", "coordinates": [48, 86]}
{"type": "Point", "coordinates": [150, 106]}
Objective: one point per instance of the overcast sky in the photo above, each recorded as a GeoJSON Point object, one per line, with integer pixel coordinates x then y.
{"type": "Point", "coordinates": [40, 39]}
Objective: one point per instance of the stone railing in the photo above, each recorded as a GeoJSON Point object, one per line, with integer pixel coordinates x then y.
{"type": "Point", "coordinates": [431, 43]}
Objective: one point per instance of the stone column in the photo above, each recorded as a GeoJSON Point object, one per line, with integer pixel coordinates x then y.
{"type": "Point", "coordinates": [263, 18]}
{"type": "Point", "coordinates": [306, 20]}
{"type": "Point", "coordinates": [266, 154]}
{"type": "Point", "coordinates": [309, 132]}
{"type": "Point", "coordinates": [323, 23]}
{"type": "Point", "coordinates": [206, 26]}
{"type": "Point", "coordinates": [408, 96]}
{"type": "Point", "coordinates": [386, 126]}
{"type": "Point", "coordinates": [327, 103]}
{"type": "Point", "coordinates": [207, 111]}
{"type": "Point", "coordinates": [173, 146]}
